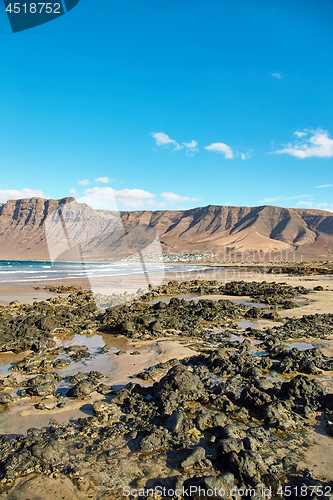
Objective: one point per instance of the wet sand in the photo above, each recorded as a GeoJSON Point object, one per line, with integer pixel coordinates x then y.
{"type": "Point", "coordinates": [118, 370]}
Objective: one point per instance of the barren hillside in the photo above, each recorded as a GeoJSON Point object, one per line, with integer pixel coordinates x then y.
{"type": "Point", "coordinates": [42, 229]}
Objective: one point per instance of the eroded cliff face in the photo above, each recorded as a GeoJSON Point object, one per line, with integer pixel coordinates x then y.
{"type": "Point", "coordinates": [22, 227]}
{"type": "Point", "coordinates": [29, 227]}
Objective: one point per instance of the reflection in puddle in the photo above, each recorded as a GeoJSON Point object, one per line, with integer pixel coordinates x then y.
{"type": "Point", "coordinates": [101, 363]}
{"type": "Point", "coordinates": [9, 359]}
{"type": "Point", "coordinates": [93, 342]}
{"type": "Point", "coordinates": [6, 368]}
{"type": "Point", "coordinates": [258, 353]}
{"type": "Point", "coordinates": [301, 346]}
{"type": "Point", "coordinates": [234, 338]}
{"type": "Point", "coordinates": [101, 348]}
{"type": "Point", "coordinates": [252, 323]}
{"type": "Point", "coordinates": [96, 361]}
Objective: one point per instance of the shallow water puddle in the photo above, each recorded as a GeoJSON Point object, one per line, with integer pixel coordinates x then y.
{"type": "Point", "coordinates": [253, 323]}
{"type": "Point", "coordinates": [301, 346]}
{"type": "Point", "coordinates": [93, 343]}
{"type": "Point", "coordinates": [6, 368]}
{"type": "Point", "coordinates": [97, 361]}
{"type": "Point", "coordinates": [235, 338]}
{"type": "Point", "coordinates": [101, 363]}
{"type": "Point", "coordinates": [9, 359]}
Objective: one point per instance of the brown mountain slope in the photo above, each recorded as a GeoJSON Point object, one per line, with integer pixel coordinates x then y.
{"type": "Point", "coordinates": [42, 229]}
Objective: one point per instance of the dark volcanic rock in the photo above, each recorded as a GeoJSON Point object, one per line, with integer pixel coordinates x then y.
{"type": "Point", "coordinates": [5, 398]}
{"type": "Point", "coordinates": [195, 458]}
{"type": "Point", "coordinates": [42, 390]}
{"type": "Point", "coordinates": [51, 452]}
{"type": "Point", "coordinates": [81, 389]}
{"type": "Point", "coordinates": [247, 465]}
{"type": "Point", "coordinates": [302, 387]}
{"type": "Point", "coordinates": [174, 422]}
{"type": "Point", "coordinates": [178, 385]}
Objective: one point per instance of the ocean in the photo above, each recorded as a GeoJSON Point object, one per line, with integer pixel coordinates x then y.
{"type": "Point", "coordinates": [15, 271]}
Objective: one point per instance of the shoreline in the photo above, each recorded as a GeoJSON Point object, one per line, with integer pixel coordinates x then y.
{"type": "Point", "coordinates": [37, 290]}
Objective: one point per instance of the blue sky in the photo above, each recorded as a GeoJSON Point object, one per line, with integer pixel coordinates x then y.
{"type": "Point", "coordinates": [171, 105]}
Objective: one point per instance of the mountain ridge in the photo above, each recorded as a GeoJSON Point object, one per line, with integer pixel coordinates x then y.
{"type": "Point", "coordinates": [213, 228]}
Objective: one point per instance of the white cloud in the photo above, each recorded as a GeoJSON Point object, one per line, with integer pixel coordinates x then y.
{"type": "Point", "coordinates": [300, 134]}
{"type": "Point", "coordinates": [277, 75]}
{"type": "Point", "coordinates": [246, 156]}
{"type": "Point", "coordinates": [308, 204]}
{"type": "Point", "coordinates": [324, 186]}
{"type": "Point", "coordinates": [14, 194]}
{"type": "Point", "coordinates": [319, 145]}
{"type": "Point", "coordinates": [191, 147]}
{"type": "Point", "coordinates": [164, 140]}
{"type": "Point", "coordinates": [311, 204]}
{"type": "Point", "coordinates": [269, 200]}
{"type": "Point", "coordinates": [156, 204]}
{"type": "Point", "coordinates": [72, 191]}
{"type": "Point", "coordinates": [220, 147]}
{"type": "Point", "coordinates": [103, 180]}
{"type": "Point", "coordinates": [84, 182]}
{"type": "Point", "coordinates": [284, 198]}
{"type": "Point", "coordinates": [173, 198]}
{"type": "Point", "coordinates": [109, 198]}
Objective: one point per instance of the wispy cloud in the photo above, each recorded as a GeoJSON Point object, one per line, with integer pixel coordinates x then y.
{"type": "Point", "coordinates": [284, 198]}
{"type": "Point", "coordinates": [173, 198]}
{"type": "Point", "coordinates": [220, 147]}
{"type": "Point", "coordinates": [300, 134]}
{"type": "Point", "coordinates": [191, 147]}
{"type": "Point", "coordinates": [324, 186]}
{"type": "Point", "coordinates": [102, 180]}
{"type": "Point", "coordinates": [269, 200]}
{"type": "Point", "coordinates": [277, 75]}
{"type": "Point", "coordinates": [246, 156]}
{"type": "Point", "coordinates": [84, 182]}
{"type": "Point", "coordinates": [14, 194]}
{"type": "Point", "coordinates": [305, 201]}
{"type": "Point", "coordinates": [157, 204]}
{"type": "Point", "coordinates": [162, 139]}
{"type": "Point", "coordinates": [109, 198]}
{"type": "Point", "coordinates": [319, 145]}
{"type": "Point", "coordinates": [308, 204]}
{"type": "Point", "coordinates": [72, 191]}
{"type": "Point", "coordinates": [311, 204]}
